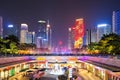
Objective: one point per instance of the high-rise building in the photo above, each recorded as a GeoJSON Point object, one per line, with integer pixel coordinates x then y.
{"type": "Point", "coordinates": [70, 39]}
{"type": "Point", "coordinates": [11, 30]}
{"type": "Point", "coordinates": [41, 35]}
{"type": "Point", "coordinates": [44, 35]}
{"type": "Point", "coordinates": [30, 38]}
{"type": "Point", "coordinates": [116, 22]}
{"type": "Point", "coordinates": [88, 34]}
{"type": "Point", "coordinates": [93, 35]}
{"type": "Point", "coordinates": [78, 33]}
{"type": "Point", "coordinates": [1, 26]}
{"type": "Point", "coordinates": [103, 29]}
{"type": "Point", "coordinates": [49, 35]}
{"type": "Point", "coordinates": [23, 33]}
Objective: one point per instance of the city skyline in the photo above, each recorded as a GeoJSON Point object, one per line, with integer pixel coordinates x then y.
{"type": "Point", "coordinates": [61, 14]}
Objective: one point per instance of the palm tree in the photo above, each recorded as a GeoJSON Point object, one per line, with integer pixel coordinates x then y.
{"type": "Point", "coordinates": [110, 44]}
{"type": "Point", "coordinates": [3, 47]}
{"type": "Point", "coordinates": [13, 48]}
{"type": "Point", "coordinates": [13, 38]}
{"type": "Point", "coordinates": [10, 44]}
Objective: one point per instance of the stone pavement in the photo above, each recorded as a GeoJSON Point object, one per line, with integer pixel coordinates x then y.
{"type": "Point", "coordinates": [19, 76]}
{"type": "Point", "coordinates": [84, 75]}
{"type": "Point", "coordinates": [87, 75]}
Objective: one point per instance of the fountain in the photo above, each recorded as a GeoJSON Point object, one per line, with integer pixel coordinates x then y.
{"type": "Point", "coordinates": [57, 70]}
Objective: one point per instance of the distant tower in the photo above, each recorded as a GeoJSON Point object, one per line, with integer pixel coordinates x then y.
{"type": "Point", "coordinates": [30, 38]}
{"type": "Point", "coordinates": [41, 35]}
{"type": "Point", "coordinates": [23, 33]}
{"type": "Point", "coordinates": [1, 26]}
{"type": "Point", "coordinates": [94, 34]}
{"type": "Point", "coordinates": [70, 39]}
{"type": "Point", "coordinates": [78, 33]}
{"type": "Point", "coordinates": [49, 35]}
{"type": "Point", "coordinates": [87, 36]}
{"type": "Point", "coordinates": [116, 22]}
{"type": "Point", "coordinates": [44, 35]}
{"type": "Point", "coordinates": [103, 29]}
{"type": "Point", "coordinates": [12, 30]}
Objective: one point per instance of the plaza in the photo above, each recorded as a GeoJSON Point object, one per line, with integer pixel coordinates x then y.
{"type": "Point", "coordinates": [87, 69]}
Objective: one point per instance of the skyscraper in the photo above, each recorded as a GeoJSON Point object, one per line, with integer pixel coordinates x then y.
{"type": "Point", "coordinates": [116, 22]}
{"type": "Point", "coordinates": [70, 39]}
{"type": "Point", "coordinates": [78, 32]}
{"type": "Point", "coordinates": [103, 29]}
{"type": "Point", "coordinates": [1, 27]}
{"type": "Point", "coordinates": [41, 34]}
{"type": "Point", "coordinates": [23, 33]}
{"type": "Point", "coordinates": [44, 35]}
{"type": "Point", "coordinates": [12, 30]}
{"type": "Point", "coordinates": [93, 35]}
{"type": "Point", "coordinates": [49, 35]}
{"type": "Point", "coordinates": [30, 38]}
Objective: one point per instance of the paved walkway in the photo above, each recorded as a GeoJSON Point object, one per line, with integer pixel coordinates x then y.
{"type": "Point", "coordinates": [87, 75]}
{"type": "Point", "coordinates": [84, 75]}
{"type": "Point", "coordinates": [19, 77]}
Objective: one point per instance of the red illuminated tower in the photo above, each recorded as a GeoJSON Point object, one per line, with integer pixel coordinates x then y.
{"type": "Point", "coordinates": [78, 33]}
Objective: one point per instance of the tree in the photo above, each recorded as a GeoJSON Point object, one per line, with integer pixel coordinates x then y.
{"type": "Point", "coordinates": [13, 48]}
{"type": "Point", "coordinates": [3, 47]}
{"type": "Point", "coordinates": [12, 38]}
{"type": "Point", "coordinates": [110, 44]}
{"type": "Point", "coordinates": [93, 47]}
{"type": "Point", "coordinates": [9, 45]}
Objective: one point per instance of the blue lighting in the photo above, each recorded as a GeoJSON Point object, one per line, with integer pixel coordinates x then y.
{"type": "Point", "coordinates": [102, 25]}
{"type": "Point", "coordinates": [10, 26]}
{"type": "Point", "coordinates": [45, 39]}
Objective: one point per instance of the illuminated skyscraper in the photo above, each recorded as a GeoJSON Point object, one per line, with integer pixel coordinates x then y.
{"type": "Point", "coordinates": [116, 22]}
{"type": "Point", "coordinates": [49, 35]}
{"type": "Point", "coordinates": [92, 35]}
{"type": "Point", "coordinates": [12, 30]}
{"type": "Point", "coordinates": [103, 29]}
{"type": "Point", "coordinates": [70, 39]}
{"type": "Point", "coordinates": [41, 35]}
{"type": "Point", "coordinates": [23, 33]}
{"type": "Point", "coordinates": [78, 33]}
{"type": "Point", "coordinates": [30, 37]}
{"type": "Point", "coordinates": [1, 27]}
{"type": "Point", "coordinates": [44, 35]}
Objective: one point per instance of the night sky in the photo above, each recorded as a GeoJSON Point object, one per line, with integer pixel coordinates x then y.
{"type": "Point", "coordinates": [61, 13]}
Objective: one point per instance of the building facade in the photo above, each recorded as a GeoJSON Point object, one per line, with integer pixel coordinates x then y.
{"type": "Point", "coordinates": [78, 33]}
{"type": "Point", "coordinates": [12, 30]}
{"type": "Point", "coordinates": [23, 33]}
{"type": "Point", "coordinates": [1, 26]}
{"type": "Point", "coordinates": [44, 35]}
{"type": "Point", "coordinates": [116, 22]}
{"type": "Point", "coordinates": [30, 38]}
{"type": "Point", "coordinates": [103, 29]}
{"type": "Point", "coordinates": [70, 39]}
